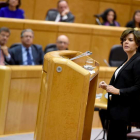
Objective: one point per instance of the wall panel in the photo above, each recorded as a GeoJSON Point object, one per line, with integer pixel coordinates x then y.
{"type": "Point", "coordinates": [41, 8]}
{"type": "Point", "coordinates": [101, 45]}
{"type": "Point", "coordinates": [78, 41]}
{"type": "Point", "coordinates": [44, 38]}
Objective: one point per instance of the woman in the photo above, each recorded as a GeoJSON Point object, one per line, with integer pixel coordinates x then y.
{"type": "Point", "coordinates": [12, 10]}
{"type": "Point", "coordinates": [124, 88]}
{"type": "Point", "coordinates": [109, 18]}
{"type": "Point", "coordinates": [136, 20]}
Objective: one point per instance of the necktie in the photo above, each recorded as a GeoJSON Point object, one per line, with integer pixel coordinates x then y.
{"type": "Point", "coordinates": [1, 58]}
{"type": "Point", "coordinates": [60, 18]}
{"type": "Point", "coordinates": [29, 61]}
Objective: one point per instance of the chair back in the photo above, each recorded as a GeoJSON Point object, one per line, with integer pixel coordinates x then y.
{"type": "Point", "coordinates": [3, 4]}
{"type": "Point", "coordinates": [117, 56]}
{"type": "Point", "coordinates": [14, 45]}
{"type": "Point", "coordinates": [50, 48]}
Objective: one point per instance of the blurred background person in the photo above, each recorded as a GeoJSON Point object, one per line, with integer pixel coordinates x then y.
{"type": "Point", "coordinates": [61, 14]}
{"type": "Point", "coordinates": [26, 53]}
{"type": "Point", "coordinates": [109, 18]}
{"type": "Point", "coordinates": [12, 10]}
{"type": "Point", "coordinates": [136, 20]}
{"type": "Point", "coordinates": [62, 43]}
{"type": "Point", "coordinates": [4, 36]}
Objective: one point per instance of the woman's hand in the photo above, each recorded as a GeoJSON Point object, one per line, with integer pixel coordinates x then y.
{"type": "Point", "coordinates": [112, 90]}
{"type": "Point", "coordinates": [103, 85]}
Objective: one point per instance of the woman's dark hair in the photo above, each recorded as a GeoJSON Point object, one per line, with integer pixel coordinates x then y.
{"type": "Point", "coordinates": [136, 34]}
{"type": "Point", "coordinates": [19, 3]}
{"type": "Point", "coordinates": [104, 15]}
{"type": "Point", "coordinates": [138, 11]}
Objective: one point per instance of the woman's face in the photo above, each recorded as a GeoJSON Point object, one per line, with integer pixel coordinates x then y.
{"type": "Point", "coordinates": [13, 3]}
{"type": "Point", "coordinates": [129, 44]}
{"type": "Point", "coordinates": [137, 17]}
{"type": "Point", "coordinates": [110, 16]}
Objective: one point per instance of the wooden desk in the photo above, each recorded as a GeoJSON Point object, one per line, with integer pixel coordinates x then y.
{"type": "Point", "coordinates": [105, 74]}
{"type": "Point", "coordinates": [82, 10]}
{"type": "Point", "coordinates": [102, 102]}
{"type": "Point", "coordinates": [83, 37]}
{"type": "Point", "coordinates": [19, 95]}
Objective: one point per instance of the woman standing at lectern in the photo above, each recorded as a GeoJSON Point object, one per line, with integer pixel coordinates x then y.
{"type": "Point", "coordinates": [124, 88]}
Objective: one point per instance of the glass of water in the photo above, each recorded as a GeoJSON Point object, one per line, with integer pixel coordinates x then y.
{"type": "Point", "coordinates": [89, 64]}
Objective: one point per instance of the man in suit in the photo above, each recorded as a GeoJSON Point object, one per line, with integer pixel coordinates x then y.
{"type": "Point", "coordinates": [4, 36]}
{"type": "Point", "coordinates": [62, 43]}
{"type": "Point", "coordinates": [61, 14]}
{"type": "Point", "coordinates": [26, 53]}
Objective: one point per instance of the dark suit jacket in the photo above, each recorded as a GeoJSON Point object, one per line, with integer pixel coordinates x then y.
{"type": "Point", "coordinates": [52, 14]}
{"type": "Point", "coordinates": [126, 106]}
{"type": "Point", "coordinates": [16, 54]}
{"type": "Point", "coordinates": [131, 24]}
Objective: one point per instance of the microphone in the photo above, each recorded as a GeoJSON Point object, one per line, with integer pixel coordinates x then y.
{"type": "Point", "coordinates": [6, 63]}
{"type": "Point", "coordinates": [97, 18]}
{"type": "Point", "coordinates": [105, 61]}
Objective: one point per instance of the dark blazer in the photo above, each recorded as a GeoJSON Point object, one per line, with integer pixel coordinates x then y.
{"type": "Point", "coordinates": [131, 24]}
{"type": "Point", "coordinates": [16, 54]}
{"type": "Point", "coordinates": [52, 14]}
{"type": "Point", "coordinates": [126, 106]}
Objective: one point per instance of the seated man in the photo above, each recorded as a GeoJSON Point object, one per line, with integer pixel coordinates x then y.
{"type": "Point", "coordinates": [26, 53]}
{"type": "Point", "coordinates": [4, 36]}
{"type": "Point", "coordinates": [62, 43]}
{"type": "Point", "coordinates": [61, 14]}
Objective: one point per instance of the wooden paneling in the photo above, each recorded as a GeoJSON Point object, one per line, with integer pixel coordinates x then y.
{"type": "Point", "coordinates": [19, 96]}
{"type": "Point", "coordinates": [5, 76]}
{"type": "Point", "coordinates": [80, 42]}
{"type": "Point", "coordinates": [117, 1]}
{"type": "Point", "coordinates": [44, 38]}
{"type": "Point", "coordinates": [22, 106]}
{"type": "Point", "coordinates": [135, 2]}
{"type": "Point", "coordinates": [44, 26]}
{"type": "Point", "coordinates": [14, 37]}
{"type": "Point", "coordinates": [84, 10]}
{"type": "Point", "coordinates": [41, 8]}
{"type": "Point", "coordinates": [101, 46]}
{"type": "Point", "coordinates": [96, 120]}
{"type": "Point", "coordinates": [29, 7]}
{"type": "Point", "coordinates": [11, 23]}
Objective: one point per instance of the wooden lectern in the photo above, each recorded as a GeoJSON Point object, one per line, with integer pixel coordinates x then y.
{"type": "Point", "coordinates": [67, 98]}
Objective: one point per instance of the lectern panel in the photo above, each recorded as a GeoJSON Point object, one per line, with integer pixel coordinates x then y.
{"type": "Point", "coordinates": [67, 97]}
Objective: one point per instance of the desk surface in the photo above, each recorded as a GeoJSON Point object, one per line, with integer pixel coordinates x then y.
{"type": "Point", "coordinates": [102, 102]}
